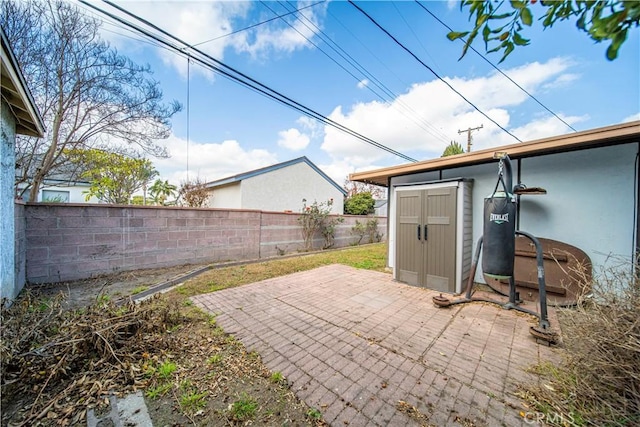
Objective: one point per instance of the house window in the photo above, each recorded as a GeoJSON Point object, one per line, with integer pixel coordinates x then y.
{"type": "Point", "coordinates": [55, 196]}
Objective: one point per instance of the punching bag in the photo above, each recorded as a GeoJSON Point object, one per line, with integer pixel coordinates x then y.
{"type": "Point", "coordinates": [499, 238]}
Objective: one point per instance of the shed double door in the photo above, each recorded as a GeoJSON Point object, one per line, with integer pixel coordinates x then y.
{"type": "Point", "coordinates": [426, 238]}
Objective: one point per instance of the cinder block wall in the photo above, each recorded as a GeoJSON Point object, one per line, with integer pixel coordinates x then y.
{"type": "Point", "coordinates": [68, 242]}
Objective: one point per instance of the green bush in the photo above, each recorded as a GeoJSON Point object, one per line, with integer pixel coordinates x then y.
{"type": "Point", "coordinates": [359, 204]}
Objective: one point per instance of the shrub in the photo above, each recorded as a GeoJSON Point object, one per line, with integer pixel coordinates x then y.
{"type": "Point", "coordinates": [599, 383]}
{"type": "Point", "coordinates": [369, 229]}
{"type": "Point", "coordinates": [359, 204]}
{"type": "Point", "coordinates": [315, 219]}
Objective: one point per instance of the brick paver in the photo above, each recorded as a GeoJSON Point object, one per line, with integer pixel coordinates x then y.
{"type": "Point", "coordinates": [353, 343]}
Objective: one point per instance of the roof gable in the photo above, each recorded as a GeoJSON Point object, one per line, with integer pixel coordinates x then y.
{"type": "Point", "coordinates": [250, 174]}
{"type": "Point", "coordinates": [16, 93]}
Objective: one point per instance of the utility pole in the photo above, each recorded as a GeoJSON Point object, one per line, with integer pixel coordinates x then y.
{"type": "Point", "coordinates": [468, 131]}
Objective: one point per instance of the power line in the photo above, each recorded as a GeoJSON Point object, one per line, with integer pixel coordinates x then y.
{"type": "Point", "coordinates": [259, 23]}
{"type": "Point", "coordinates": [237, 76]}
{"type": "Point", "coordinates": [497, 68]}
{"type": "Point", "coordinates": [391, 96]}
{"type": "Point", "coordinates": [431, 69]}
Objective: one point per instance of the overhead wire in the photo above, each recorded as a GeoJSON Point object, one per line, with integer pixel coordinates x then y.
{"type": "Point", "coordinates": [426, 51]}
{"type": "Point", "coordinates": [319, 48]}
{"type": "Point", "coordinates": [393, 98]}
{"type": "Point", "coordinates": [259, 23]}
{"type": "Point", "coordinates": [497, 68]}
{"type": "Point", "coordinates": [449, 85]}
{"type": "Point", "coordinates": [237, 76]}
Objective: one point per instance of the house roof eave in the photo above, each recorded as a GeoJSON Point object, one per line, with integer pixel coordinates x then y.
{"type": "Point", "coordinates": [16, 94]}
{"type": "Point", "coordinates": [609, 135]}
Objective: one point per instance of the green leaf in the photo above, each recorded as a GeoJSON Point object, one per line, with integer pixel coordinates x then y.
{"type": "Point", "coordinates": [525, 15]}
{"type": "Point", "coordinates": [618, 39]}
{"type": "Point", "coordinates": [502, 16]}
{"type": "Point", "coordinates": [486, 32]}
{"type": "Point", "coordinates": [454, 35]}
{"type": "Point", "coordinates": [518, 4]}
{"type": "Point", "coordinates": [519, 40]}
{"type": "Point", "coordinates": [581, 21]}
{"type": "Point", "coordinates": [507, 51]}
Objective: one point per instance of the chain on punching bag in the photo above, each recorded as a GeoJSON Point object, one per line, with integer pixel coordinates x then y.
{"type": "Point", "coordinates": [498, 252]}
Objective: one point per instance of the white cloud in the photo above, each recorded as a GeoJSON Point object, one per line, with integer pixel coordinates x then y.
{"type": "Point", "coordinates": [293, 140]}
{"type": "Point", "coordinates": [363, 83]}
{"type": "Point", "coordinates": [192, 22]}
{"type": "Point", "coordinates": [196, 22]}
{"type": "Point", "coordinates": [279, 36]}
{"type": "Point", "coordinates": [312, 127]}
{"type": "Point", "coordinates": [422, 121]}
{"type": "Point", "coordinates": [209, 161]}
{"type": "Point", "coordinates": [631, 118]}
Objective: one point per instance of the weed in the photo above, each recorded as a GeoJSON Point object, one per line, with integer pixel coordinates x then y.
{"type": "Point", "coordinates": [276, 377]}
{"type": "Point", "coordinates": [139, 289]}
{"type": "Point", "coordinates": [314, 414]}
{"type": "Point", "coordinates": [192, 401]}
{"type": "Point", "coordinates": [103, 299]}
{"type": "Point", "coordinates": [212, 320]}
{"type": "Point", "coordinates": [159, 390]}
{"type": "Point", "coordinates": [215, 359]}
{"type": "Point", "coordinates": [166, 369]}
{"type": "Point", "coordinates": [44, 305]}
{"type": "Point", "coordinates": [243, 409]}
{"type": "Point", "coordinates": [187, 303]}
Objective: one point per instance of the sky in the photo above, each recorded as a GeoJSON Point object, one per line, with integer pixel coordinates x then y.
{"type": "Point", "coordinates": [331, 58]}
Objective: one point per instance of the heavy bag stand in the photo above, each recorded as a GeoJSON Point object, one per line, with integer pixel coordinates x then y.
{"type": "Point", "coordinates": [543, 330]}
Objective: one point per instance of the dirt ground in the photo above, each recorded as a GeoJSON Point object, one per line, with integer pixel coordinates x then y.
{"type": "Point", "coordinates": [191, 373]}
{"type": "Point", "coordinates": [82, 293]}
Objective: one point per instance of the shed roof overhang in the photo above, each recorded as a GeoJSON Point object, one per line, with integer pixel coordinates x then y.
{"type": "Point", "coordinates": [17, 96]}
{"type": "Point", "coordinates": [611, 135]}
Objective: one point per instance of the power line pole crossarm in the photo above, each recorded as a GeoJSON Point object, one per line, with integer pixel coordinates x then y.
{"type": "Point", "coordinates": [468, 131]}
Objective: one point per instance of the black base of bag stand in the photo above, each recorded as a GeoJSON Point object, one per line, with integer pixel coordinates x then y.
{"type": "Point", "coordinates": [543, 330]}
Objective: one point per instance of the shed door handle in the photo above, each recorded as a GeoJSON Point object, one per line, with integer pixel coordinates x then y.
{"type": "Point", "coordinates": [425, 232]}
{"type": "Point", "coordinates": [418, 231]}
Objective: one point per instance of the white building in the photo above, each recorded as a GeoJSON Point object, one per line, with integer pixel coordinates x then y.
{"type": "Point", "coordinates": [277, 188]}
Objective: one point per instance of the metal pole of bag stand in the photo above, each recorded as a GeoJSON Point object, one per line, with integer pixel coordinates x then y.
{"type": "Point", "coordinates": [542, 286]}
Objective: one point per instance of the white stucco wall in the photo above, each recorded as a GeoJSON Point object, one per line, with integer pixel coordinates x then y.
{"type": "Point", "coordinates": [589, 202]}
{"type": "Point", "coordinates": [227, 197]}
{"type": "Point", "coordinates": [7, 215]}
{"type": "Point", "coordinates": [75, 193]}
{"type": "Point", "coordinates": [283, 189]}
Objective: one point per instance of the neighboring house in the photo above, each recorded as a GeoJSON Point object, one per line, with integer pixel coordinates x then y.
{"type": "Point", "coordinates": [60, 189]}
{"type": "Point", "coordinates": [277, 188]}
{"type": "Point", "coordinates": [592, 201]}
{"type": "Point", "coordinates": [380, 207]}
{"type": "Point", "coordinates": [19, 115]}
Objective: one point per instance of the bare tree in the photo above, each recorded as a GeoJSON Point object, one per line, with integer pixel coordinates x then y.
{"type": "Point", "coordinates": [355, 187]}
{"type": "Point", "coordinates": [194, 193]}
{"type": "Point", "coordinates": [89, 95]}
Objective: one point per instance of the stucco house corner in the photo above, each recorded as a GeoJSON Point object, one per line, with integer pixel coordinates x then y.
{"type": "Point", "coordinates": [19, 115]}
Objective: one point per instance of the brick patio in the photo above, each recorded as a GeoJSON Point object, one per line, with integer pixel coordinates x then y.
{"type": "Point", "coordinates": [353, 343]}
